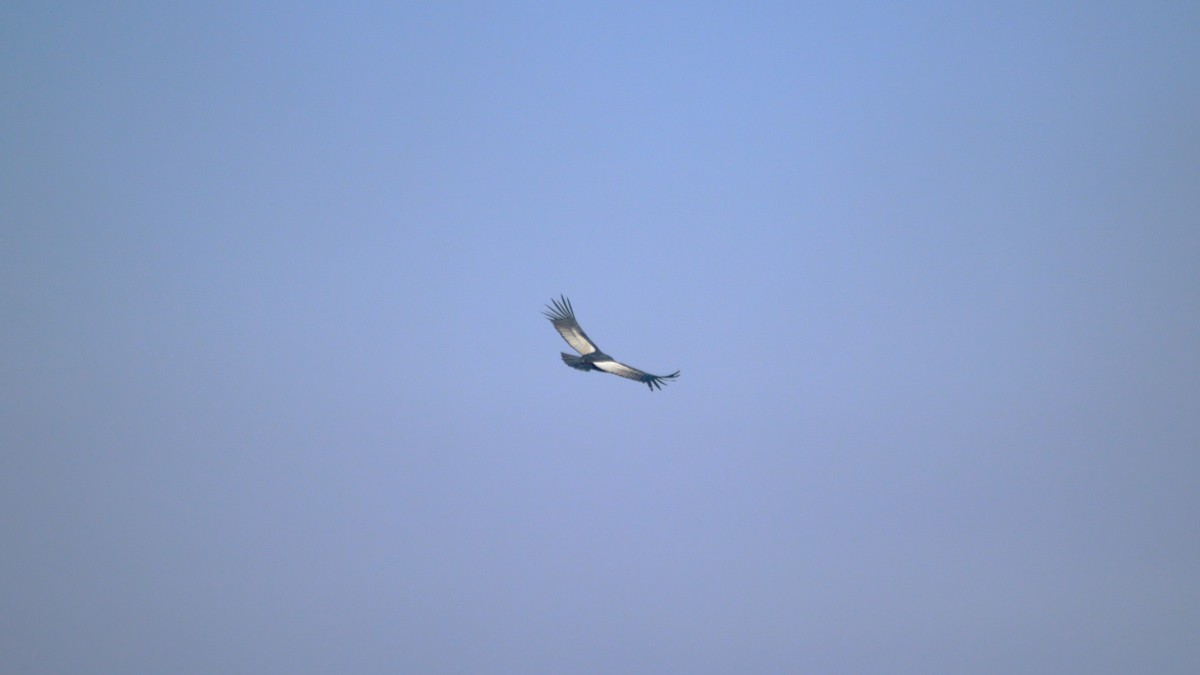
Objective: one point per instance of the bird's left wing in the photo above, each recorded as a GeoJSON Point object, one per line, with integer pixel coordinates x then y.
{"type": "Point", "coordinates": [618, 368]}
{"type": "Point", "coordinates": [563, 317]}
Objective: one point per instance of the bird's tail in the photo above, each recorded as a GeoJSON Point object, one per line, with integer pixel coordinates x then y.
{"type": "Point", "coordinates": [575, 362]}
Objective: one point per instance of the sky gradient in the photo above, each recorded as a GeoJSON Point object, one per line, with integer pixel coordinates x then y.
{"type": "Point", "coordinates": [276, 394]}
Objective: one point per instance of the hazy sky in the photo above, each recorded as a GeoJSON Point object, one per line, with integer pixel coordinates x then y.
{"type": "Point", "coordinates": [276, 395]}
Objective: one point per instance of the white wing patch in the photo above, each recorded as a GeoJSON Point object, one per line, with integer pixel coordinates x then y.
{"type": "Point", "coordinates": [562, 316]}
{"type": "Point", "coordinates": [618, 368]}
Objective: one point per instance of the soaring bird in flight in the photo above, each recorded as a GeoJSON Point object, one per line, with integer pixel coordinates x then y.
{"type": "Point", "coordinates": [562, 316]}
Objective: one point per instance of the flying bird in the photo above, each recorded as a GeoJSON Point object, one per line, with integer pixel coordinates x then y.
{"type": "Point", "coordinates": [562, 316]}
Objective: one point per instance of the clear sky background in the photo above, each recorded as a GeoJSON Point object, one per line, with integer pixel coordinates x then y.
{"type": "Point", "coordinates": [276, 394]}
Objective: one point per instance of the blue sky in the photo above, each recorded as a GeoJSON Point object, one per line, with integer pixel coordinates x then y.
{"type": "Point", "coordinates": [277, 396]}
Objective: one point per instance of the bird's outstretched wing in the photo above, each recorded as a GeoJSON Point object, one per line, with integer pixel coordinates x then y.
{"type": "Point", "coordinates": [563, 318]}
{"type": "Point", "coordinates": [618, 368]}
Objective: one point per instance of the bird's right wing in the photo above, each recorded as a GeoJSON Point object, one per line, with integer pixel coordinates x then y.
{"type": "Point", "coordinates": [618, 368]}
{"type": "Point", "coordinates": [563, 318]}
